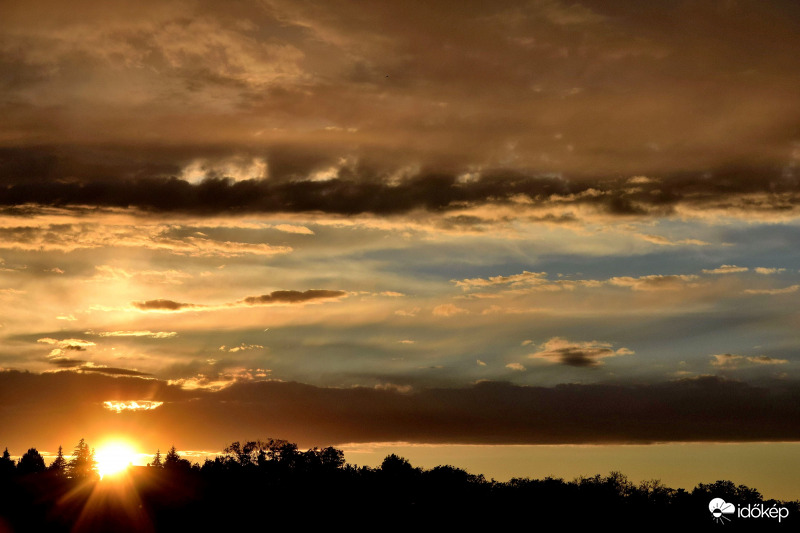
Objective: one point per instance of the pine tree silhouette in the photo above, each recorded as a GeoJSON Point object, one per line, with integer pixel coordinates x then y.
{"type": "Point", "coordinates": [83, 464]}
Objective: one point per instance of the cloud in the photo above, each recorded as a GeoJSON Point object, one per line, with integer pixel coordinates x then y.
{"type": "Point", "coordinates": [66, 362]}
{"type": "Point", "coordinates": [767, 271]}
{"type": "Point", "coordinates": [725, 269]}
{"type": "Point", "coordinates": [727, 361]}
{"type": "Point", "coordinates": [705, 409]}
{"type": "Point", "coordinates": [294, 228]}
{"type": "Point", "coordinates": [293, 297]}
{"type": "Point", "coordinates": [448, 310]}
{"type": "Point", "coordinates": [638, 180]}
{"type": "Point", "coordinates": [80, 235]}
{"type": "Point", "coordinates": [151, 334]}
{"type": "Point", "coordinates": [766, 360]}
{"type": "Point", "coordinates": [133, 405]}
{"type": "Point", "coordinates": [111, 371]}
{"type": "Point", "coordinates": [785, 290]}
{"type": "Point", "coordinates": [515, 366]}
{"type": "Point", "coordinates": [537, 281]}
{"type": "Point", "coordinates": [287, 297]}
{"type": "Point", "coordinates": [163, 305]}
{"type": "Point", "coordinates": [64, 346]}
{"type": "Point", "coordinates": [516, 279]}
{"type": "Point", "coordinates": [221, 380]}
{"type": "Point", "coordinates": [664, 241]}
{"type": "Point", "coordinates": [282, 95]}
{"type": "Point", "coordinates": [70, 343]}
{"type": "Point", "coordinates": [653, 282]}
{"type": "Point", "coordinates": [112, 273]}
{"type": "Point", "coordinates": [577, 354]}
{"type": "Point", "coordinates": [241, 348]}
{"type": "Point", "coordinates": [372, 189]}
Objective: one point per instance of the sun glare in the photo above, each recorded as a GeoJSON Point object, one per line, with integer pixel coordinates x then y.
{"type": "Point", "coordinates": [114, 457]}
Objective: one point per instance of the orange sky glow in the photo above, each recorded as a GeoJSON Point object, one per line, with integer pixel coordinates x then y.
{"type": "Point", "coordinates": [524, 232]}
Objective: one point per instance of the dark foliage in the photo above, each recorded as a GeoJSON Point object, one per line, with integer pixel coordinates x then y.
{"type": "Point", "coordinates": [59, 465]}
{"type": "Point", "coordinates": [82, 466]}
{"type": "Point", "coordinates": [272, 481]}
{"type": "Point", "coordinates": [31, 462]}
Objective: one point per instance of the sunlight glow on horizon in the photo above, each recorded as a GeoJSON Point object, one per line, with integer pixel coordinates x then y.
{"type": "Point", "coordinates": [115, 457]}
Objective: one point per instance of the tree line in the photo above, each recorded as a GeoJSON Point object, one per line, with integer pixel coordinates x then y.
{"type": "Point", "coordinates": [274, 479]}
{"type": "Point", "coordinates": [82, 465]}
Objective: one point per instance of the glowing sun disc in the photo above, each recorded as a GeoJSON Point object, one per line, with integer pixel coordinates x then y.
{"type": "Point", "coordinates": [113, 458]}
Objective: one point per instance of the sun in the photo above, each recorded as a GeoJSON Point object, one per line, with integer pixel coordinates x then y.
{"type": "Point", "coordinates": [114, 457]}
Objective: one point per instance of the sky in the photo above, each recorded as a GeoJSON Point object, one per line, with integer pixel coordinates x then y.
{"type": "Point", "coordinates": [442, 223]}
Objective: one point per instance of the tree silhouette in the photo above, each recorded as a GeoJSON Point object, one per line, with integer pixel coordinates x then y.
{"type": "Point", "coordinates": [7, 467]}
{"type": "Point", "coordinates": [31, 462]}
{"type": "Point", "coordinates": [395, 465]}
{"type": "Point", "coordinates": [332, 457]}
{"type": "Point", "coordinates": [229, 492]}
{"type": "Point", "coordinates": [83, 464]}
{"type": "Point", "coordinates": [173, 461]}
{"type": "Point", "coordinates": [59, 465]}
{"type": "Point", "coordinates": [245, 454]}
{"type": "Point", "coordinates": [157, 459]}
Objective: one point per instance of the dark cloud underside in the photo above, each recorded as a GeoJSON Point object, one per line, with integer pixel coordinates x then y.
{"type": "Point", "coordinates": [66, 362]}
{"type": "Point", "coordinates": [162, 305]}
{"type": "Point", "coordinates": [274, 298]}
{"type": "Point", "coordinates": [292, 297]}
{"type": "Point", "coordinates": [705, 409]}
{"type": "Point", "coordinates": [112, 371]}
{"type": "Point", "coordinates": [723, 188]}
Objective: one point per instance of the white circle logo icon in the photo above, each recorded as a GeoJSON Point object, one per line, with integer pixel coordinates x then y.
{"type": "Point", "coordinates": [718, 508]}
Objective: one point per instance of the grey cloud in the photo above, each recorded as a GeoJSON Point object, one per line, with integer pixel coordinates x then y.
{"type": "Point", "coordinates": [728, 361]}
{"type": "Point", "coordinates": [162, 305]}
{"type": "Point", "coordinates": [293, 297]}
{"type": "Point", "coordinates": [577, 354]}
{"type": "Point", "coordinates": [66, 362]}
{"type": "Point", "coordinates": [80, 365]}
{"type": "Point", "coordinates": [273, 298]}
{"type": "Point", "coordinates": [74, 347]}
{"type": "Point", "coordinates": [112, 371]}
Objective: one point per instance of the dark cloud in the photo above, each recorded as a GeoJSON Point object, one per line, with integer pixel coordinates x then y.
{"type": "Point", "coordinates": [74, 347]}
{"type": "Point", "coordinates": [162, 305]}
{"type": "Point", "coordinates": [275, 297]}
{"type": "Point", "coordinates": [80, 365]}
{"type": "Point", "coordinates": [66, 362]}
{"type": "Point", "coordinates": [112, 371]}
{"type": "Point", "coordinates": [704, 409]}
{"type": "Point", "coordinates": [577, 354]}
{"type": "Point", "coordinates": [603, 85]}
{"type": "Point", "coordinates": [370, 190]}
{"type": "Point", "coordinates": [293, 297]}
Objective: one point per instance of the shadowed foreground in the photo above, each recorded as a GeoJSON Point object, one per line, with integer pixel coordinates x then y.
{"type": "Point", "coordinates": [266, 483]}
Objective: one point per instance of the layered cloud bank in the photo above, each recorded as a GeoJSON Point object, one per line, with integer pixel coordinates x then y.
{"type": "Point", "coordinates": [705, 409]}
{"type": "Point", "coordinates": [737, 191]}
{"type": "Point", "coordinates": [393, 220]}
